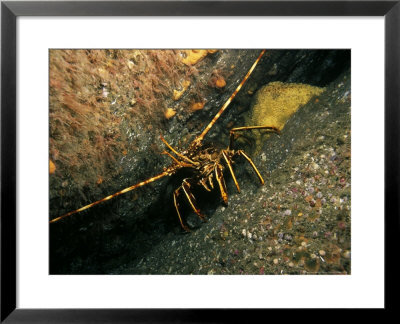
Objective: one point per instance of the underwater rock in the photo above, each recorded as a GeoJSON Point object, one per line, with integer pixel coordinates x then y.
{"type": "Point", "coordinates": [272, 226]}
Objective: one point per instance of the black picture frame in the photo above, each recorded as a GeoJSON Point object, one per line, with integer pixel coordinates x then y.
{"type": "Point", "coordinates": [10, 10]}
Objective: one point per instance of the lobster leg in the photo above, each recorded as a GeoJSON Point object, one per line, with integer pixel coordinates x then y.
{"type": "Point", "coordinates": [203, 182]}
{"type": "Point", "coordinates": [221, 182]}
{"type": "Point", "coordinates": [237, 129]}
{"type": "Point", "coordinates": [176, 194]}
{"type": "Point", "coordinates": [191, 199]}
{"type": "Point", "coordinates": [228, 162]}
{"type": "Point", "coordinates": [240, 152]}
{"type": "Point", "coordinates": [210, 181]}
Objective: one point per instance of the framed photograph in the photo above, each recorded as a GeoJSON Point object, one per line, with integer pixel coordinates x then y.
{"type": "Point", "coordinates": [242, 154]}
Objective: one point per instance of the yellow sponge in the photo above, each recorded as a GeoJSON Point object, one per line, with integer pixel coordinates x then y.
{"type": "Point", "coordinates": [276, 102]}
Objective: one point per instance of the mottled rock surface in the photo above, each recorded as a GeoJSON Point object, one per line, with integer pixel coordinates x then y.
{"type": "Point", "coordinates": [297, 223]}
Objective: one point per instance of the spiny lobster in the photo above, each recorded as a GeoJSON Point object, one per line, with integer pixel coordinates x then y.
{"type": "Point", "coordinates": [205, 161]}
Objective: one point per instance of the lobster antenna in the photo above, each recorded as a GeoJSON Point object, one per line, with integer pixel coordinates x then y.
{"type": "Point", "coordinates": [168, 171]}
{"type": "Point", "coordinates": [199, 138]}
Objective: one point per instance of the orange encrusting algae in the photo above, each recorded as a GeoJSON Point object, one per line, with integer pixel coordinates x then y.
{"type": "Point", "coordinates": [196, 55]}
{"type": "Point", "coordinates": [52, 167]}
{"type": "Point", "coordinates": [220, 83]}
{"type": "Point", "coordinates": [169, 113]}
{"type": "Point", "coordinates": [197, 106]}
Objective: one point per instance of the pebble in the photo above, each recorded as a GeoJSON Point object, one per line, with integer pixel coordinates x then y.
{"type": "Point", "coordinates": [276, 261]}
{"type": "Point", "coordinates": [291, 264]}
{"type": "Point", "coordinates": [315, 166]}
{"type": "Point", "coordinates": [287, 212]}
{"type": "Point", "coordinates": [321, 252]}
{"type": "Point", "coordinates": [288, 237]}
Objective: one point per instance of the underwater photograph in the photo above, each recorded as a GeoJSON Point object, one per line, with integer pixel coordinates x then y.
{"type": "Point", "coordinates": [200, 161]}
